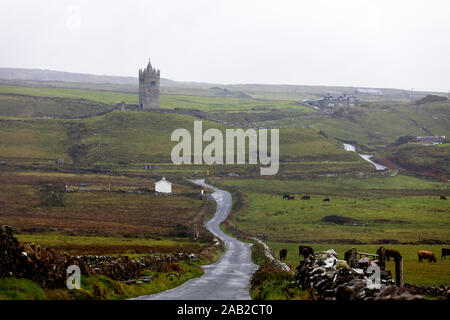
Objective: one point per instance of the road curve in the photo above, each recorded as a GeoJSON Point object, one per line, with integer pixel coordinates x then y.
{"type": "Point", "coordinates": [228, 278]}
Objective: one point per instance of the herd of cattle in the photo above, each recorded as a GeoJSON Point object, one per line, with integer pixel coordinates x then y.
{"type": "Point", "coordinates": [292, 197]}
{"type": "Point", "coordinates": [306, 251]}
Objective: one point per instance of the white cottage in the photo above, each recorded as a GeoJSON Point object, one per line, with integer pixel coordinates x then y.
{"type": "Point", "coordinates": [163, 186]}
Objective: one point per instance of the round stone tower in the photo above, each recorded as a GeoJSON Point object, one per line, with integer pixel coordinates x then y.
{"type": "Point", "coordinates": [149, 87]}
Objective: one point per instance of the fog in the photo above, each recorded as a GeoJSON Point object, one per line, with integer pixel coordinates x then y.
{"type": "Point", "coordinates": [398, 44]}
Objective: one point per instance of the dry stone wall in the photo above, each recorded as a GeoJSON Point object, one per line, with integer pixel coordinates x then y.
{"type": "Point", "coordinates": [47, 267]}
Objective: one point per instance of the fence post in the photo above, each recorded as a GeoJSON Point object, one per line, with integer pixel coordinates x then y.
{"type": "Point", "coordinates": [353, 263]}
{"type": "Point", "coordinates": [381, 258]}
{"type": "Point", "coordinates": [399, 271]}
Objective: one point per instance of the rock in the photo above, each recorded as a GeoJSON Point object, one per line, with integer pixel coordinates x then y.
{"type": "Point", "coordinates": [364, 262]}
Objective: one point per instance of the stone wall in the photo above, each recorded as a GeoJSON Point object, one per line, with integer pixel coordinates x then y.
{"type": "Point", "coordinates": [332, 279]}
{"type": "Point", "coordinates": [47, 267]}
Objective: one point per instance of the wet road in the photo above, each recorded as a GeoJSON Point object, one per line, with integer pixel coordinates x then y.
{"type": "Point", "coordinates": [228, 278]}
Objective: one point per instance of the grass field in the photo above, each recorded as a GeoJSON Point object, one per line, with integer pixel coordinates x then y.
{"type": "Point", "coordinates": [166, 101]}
{"type": "Point", "coordinates": [408, 219]}
{"type": "Point", "coordinates": [111, 246]}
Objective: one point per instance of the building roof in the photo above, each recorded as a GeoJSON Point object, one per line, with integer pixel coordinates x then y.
{"type": "Point", "coordinates": [163, 180]}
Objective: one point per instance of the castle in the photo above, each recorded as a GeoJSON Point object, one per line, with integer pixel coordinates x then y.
{"type": "Point", "coordinates": [149, 87]}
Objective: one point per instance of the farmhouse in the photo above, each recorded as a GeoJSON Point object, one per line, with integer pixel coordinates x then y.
{"type": "Point", "coordinates": [163, 186]}
{"type": "Point", "coordinates": [432, 139]}
{"type": "Point", "coordinates": [330, 102]}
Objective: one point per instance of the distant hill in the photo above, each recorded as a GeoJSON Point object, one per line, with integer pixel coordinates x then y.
{"type": "Point", "coordinates": [51, 75]}
{"type": "Point", "coordinates": [60, 79]}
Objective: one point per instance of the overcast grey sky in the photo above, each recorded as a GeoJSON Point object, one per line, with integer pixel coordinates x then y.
{"type": "Point", "coordinates": [394, 43]}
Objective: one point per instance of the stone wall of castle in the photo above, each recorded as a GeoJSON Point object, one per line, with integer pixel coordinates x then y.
{"type": "Point", "coordinates": [149, 87]}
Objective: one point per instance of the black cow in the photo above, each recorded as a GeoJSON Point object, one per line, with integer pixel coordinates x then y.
{"type": "Point", "coordinates": [306, 197]}
{"type": "Point", "coordinates": [305, 251]}
{"type": "Point", "coordinates": [326, 200]}
{"type": "Point", "coordinates": [283, 254]}
{"type": "Point", "coordinates": [445, 252]}
{"type": "Point", "coordinates": [443, 198]}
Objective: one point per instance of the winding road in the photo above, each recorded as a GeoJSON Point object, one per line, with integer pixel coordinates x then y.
{"type": "Point", "coordinates": [228, 278]}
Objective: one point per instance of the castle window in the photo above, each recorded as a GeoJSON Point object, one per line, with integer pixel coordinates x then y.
{"type": "Point", "coordinates": [153, 83]}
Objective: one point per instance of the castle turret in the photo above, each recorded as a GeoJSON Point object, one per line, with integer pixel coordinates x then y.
{"type": "Point", "coordinates": [149, 87]}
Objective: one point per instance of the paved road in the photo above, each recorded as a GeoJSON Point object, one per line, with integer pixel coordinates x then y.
{"type": "Point", "coordinates": [228, 278]}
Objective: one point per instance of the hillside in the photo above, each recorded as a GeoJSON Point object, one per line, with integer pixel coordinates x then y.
{"type": "Point", "coordinates": [51, 78]}
{"type": "Point", "coordinates": [126, 137]}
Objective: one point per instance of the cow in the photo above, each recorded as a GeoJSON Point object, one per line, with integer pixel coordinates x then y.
{"type": "Point", "coordinates": [306, 197]}
{"type": "Point", "coordinates": [350, 257]}
{"type": "Point", "coordinates": [286, 196]}
{"type": "Point", "coordinates": [326, 200]}
{"type": "Point", "coordinates": [305, 251]}
{"type": "Point", "coordinates": [283, 254]}
{"type": "Point", "coordinates": [443, 198]}
{"type": "Point", "coordinates": [289, 197]}
{"type": "Point", "coordinates": [445, 252]}
{"type": "Point", "coordinates": [392, 254]}
{"type": "Point", "coordinates": [422, 254]}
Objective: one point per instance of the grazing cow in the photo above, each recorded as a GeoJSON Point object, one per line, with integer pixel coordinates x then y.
{"type": "Point", "coordinates": [445, 252]}
{"type": "Point", "coordinates": [443, 198]}
{"type": "Point", "coordinates": [326, 200]}
{"type": "Point", "coordinates": [286, 196]}
{"type": "Point", "coordinates": [306, 197]}
{"type": "Point", "coordinates": [283, 254]}
{"type": "Point", "coordinates": [291, 197]}
{"type": "Point", "coordinates": [392, 254]}
{"type": "Point", "coordinates": [350, 257]}
{"type": "Point", "coordinates": [428, 255]}
{"type": "Point", "coordinates": [305, 251]}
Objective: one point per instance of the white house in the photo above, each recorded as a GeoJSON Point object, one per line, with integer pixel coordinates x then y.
{"type": "Point", "coordinates": [163, 186]}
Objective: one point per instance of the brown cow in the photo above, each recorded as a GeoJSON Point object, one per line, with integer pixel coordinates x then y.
{"type": "Point", "coordinates": [350, 257]}
{"type": "Point", "coordinates": [426, 255]}
{"type": "Point", "coordinates": [283, 254]}
{"type": "Point", "coordinates": [305, 251]}
{"type": "Point", "coordinates": [392, 254]}
{"type": "Point", "coordinates": [445, 252]}
{"type": "Point", "coordinates": [306, 197]}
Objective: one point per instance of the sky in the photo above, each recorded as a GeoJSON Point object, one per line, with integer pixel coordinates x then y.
{"type": "Point", "coordinates": [387, 44]}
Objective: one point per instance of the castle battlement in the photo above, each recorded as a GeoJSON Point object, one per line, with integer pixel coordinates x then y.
{"type": "Point", "coordinates": [149, 87]}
